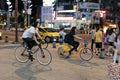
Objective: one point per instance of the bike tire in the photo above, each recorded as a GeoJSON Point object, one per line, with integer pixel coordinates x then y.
{"type": "Point", "coordinates": [21, 54]}
{"type": "Point", "coordinates": [46, 60]}
{"type": "Point", "coordinates": [86, 54]}
{"type": "Point", "coordinates": [60, 52]}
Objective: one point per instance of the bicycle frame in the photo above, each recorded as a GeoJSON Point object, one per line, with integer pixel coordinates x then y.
{"type": "Point", "coordinates": [81, 46]}
{"type": "Point", "coordinates": [67, 47]}
{"type": "Point", "coordinates": [39, 47]}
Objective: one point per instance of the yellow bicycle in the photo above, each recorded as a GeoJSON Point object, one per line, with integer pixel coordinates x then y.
{"type": "Point", "coordinates": [84, 52]}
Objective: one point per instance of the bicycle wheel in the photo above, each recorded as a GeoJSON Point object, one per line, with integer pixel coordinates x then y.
{"type": "Point", "coordinates": [60, 52]}
{"type": "Point", "coordinates": [86, 54]}
{"type": "Point", "coordinates": [44, 45]}
{"type": "Point", "coordinates": [21, 54]}
{"type": "Point", "coordinates": [44, 56]}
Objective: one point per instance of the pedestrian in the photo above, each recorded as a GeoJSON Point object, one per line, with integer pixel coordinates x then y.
{"type": "Point", "coordinates": [116, 57]}
{"type": "Point", "coordinates": [98, 40]}
{"type": "Point", "coordinates": [93, 37]}
{"type": "Point", "coordinates": [105, 41]}
{"type": "Point", "coordinates": [61, 36]}
{"type": "Point", "coordinates": [111, 39]}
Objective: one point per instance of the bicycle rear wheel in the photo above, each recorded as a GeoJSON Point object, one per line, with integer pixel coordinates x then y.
{"type": "Point", "coordinates": [60, 52]}
{"type": "Point", "coordinates": [86, 54]}
{"type": "Point", "coordinates": [21, 54]}
{"type": "Point", "coordinates": [44, 56]}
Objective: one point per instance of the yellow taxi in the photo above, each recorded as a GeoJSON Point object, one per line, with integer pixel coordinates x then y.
{"type": "Point", "coordinates": [49, 34]}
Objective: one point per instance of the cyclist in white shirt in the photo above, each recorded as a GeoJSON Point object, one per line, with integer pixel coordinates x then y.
{"type": "Point", "coordinates": [29, 36]}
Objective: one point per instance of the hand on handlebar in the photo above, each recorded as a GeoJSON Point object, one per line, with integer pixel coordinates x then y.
{"type": "Point", "coordinates": [43, 41]}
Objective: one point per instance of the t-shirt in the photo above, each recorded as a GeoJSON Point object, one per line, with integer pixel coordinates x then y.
{"type": "Point", "coordinates": [62, 34]}
{"type": "Point", "coordinates": [29, 33]}
{"type": "Point", "coordinates": [92, 33]}
{"type": "Point", "coordinates": [111, 37]}
{"type": "Point", "coordinates": [98, 36]}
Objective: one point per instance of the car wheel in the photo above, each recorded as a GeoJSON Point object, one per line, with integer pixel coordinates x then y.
{"type": "Point", "coordinates": [47, 39]}
{"type": "Point", "coordinates": [0, 38]}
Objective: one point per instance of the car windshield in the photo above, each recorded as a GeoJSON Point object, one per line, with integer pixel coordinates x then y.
{"type": "Point", "coordinates": [50, 29]}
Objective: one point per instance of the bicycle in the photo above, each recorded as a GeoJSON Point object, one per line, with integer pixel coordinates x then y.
{"type": "Point", "coordinates": [43, 55]}
{"type": "Point", "coordinates": [84, 52]}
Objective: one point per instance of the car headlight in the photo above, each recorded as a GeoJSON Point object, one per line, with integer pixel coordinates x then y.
{"type": "Point", "coordinates": [0, 34]}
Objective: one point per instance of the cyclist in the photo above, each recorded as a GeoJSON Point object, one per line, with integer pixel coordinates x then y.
{"type": "Point", "coordinates": [69, 38]}
{"type": "Point", "coordinates": [29, 36]}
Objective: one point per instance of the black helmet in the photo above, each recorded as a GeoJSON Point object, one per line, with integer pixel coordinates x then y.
{"type": "Point", "coordinates": [34, 24]}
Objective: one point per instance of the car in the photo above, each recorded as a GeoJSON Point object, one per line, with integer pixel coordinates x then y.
{"type": "Point", "coordinates": [49, 34]}
{"type": "Point", "coordinates": [0, 35]}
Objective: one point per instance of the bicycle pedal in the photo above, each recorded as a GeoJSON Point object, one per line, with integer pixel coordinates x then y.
{"type": "Point", "coordinates": [43, 56]}
{"type": "Point", "coordinates": [61, 54]}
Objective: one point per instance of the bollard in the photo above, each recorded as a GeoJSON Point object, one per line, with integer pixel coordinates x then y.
{"type": "Point", "coordinates": [54, 42]}
{"type": "Point", "coordinates": [6, 39]}
{"type": "Point", "coordinates": [102, 54]}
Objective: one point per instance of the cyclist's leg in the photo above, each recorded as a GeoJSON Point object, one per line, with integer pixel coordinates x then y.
{"type": "Point", "coordinates": [30, 43]}
{"type": "Point", "coordinates": [76, 44]}
{"type": "Point", "coordinates": [70, 51]}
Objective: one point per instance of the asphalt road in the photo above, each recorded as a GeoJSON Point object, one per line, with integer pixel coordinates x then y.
{"type": "Point", "coordinates": [59, 69]}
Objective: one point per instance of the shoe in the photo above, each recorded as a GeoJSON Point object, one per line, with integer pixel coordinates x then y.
{"type": "Point", "coordinates": [67, 57]}
{"type": "Point", "coordinates": [61, 54]}
{"type": "Point", "coordinates": [75, 49]}
{"type": "Point", "coordinates": [31, 57]}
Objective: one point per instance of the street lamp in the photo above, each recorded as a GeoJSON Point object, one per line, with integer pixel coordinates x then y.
{"type": "Point", "coordinates": [8, 12]}
{"type": "Point", "coordinates": [77, 7]}
{"type": "Point", "coordinates": [27, 8]}
{"type": "Point", "coordinates": [29, 11]}
{"type": "Point", "coordinates": [16, 21]}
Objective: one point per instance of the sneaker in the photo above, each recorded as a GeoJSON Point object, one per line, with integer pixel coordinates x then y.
{"type": "Point", "coordinates": [31, 57]}
{"type": "Point", "coordinates": [67, 57]}
{"type": "Point", "coordinates": [76, 50]}
{"type": "Point", "coordinates": [61, 54]}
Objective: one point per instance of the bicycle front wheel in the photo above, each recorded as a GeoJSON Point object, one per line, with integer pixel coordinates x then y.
{"type": "Point", "coordinates": [44, 56]}
{"type": "Point", "coordinates": [86, 54]}
{"type": "Point", "coordinates": [21, 54]}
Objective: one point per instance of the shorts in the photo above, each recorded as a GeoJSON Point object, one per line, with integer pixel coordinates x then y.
{"type": "Point", "coordinates": [111, 43]}
{"type": "Point", "coordinates": [98, 44]}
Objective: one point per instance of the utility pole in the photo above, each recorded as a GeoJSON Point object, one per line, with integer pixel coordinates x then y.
{"type": "Point", "coordinates": [77, 6]}
{"type": "Point", "coordinates": [16, 21]}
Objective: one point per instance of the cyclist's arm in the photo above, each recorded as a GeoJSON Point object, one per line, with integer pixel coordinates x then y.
{"type": "Point", "coordinates": [38, 35]}
{"type": "Point", "coordinates": [35, 38]}
{"type": "Point", "coordinates": [76, 36]}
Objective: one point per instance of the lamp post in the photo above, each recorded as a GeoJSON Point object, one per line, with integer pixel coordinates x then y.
{"type": "Point", "coordinates": [29, 11]}
{"type": "Point", "coordinates": [99, 12]}
{"type": "Point", "coordinates": [16, 21]}
{"type": "Point", "coordinates": [25, 8]}
{"type": "Point", "coordinates": [8, 18]}
{"type": "Point", "coordinates": [77, 6]}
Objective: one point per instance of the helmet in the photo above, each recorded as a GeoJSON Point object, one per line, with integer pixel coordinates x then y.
{"type": "Point", "coordinates": [34, 24]}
